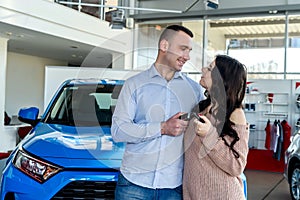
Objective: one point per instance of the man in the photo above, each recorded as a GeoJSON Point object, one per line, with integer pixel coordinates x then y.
{"type": "Point", "coordinates": [146, 118]}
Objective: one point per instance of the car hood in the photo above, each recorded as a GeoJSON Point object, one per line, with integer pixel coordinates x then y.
{"type": "Point", "coordinates": [66, 145]}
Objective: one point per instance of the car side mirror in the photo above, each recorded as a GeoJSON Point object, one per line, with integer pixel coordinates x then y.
{"type": "Point", "coordinates": [29, 115]}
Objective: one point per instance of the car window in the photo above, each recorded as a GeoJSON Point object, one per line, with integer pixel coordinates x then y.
{"type": "Point", "coordinates": [83, 105]}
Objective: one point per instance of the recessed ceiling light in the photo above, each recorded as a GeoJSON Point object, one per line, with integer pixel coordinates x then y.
{"type": "Point", "coordinates": [273, 11]}
{"type": "Point", "coordinates": [8, 33]}
{"type": "Point", "coordinates": [158, 27]}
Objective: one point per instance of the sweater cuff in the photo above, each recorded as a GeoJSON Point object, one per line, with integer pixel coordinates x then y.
{"type": "Point", "coordinates": [210, 139]}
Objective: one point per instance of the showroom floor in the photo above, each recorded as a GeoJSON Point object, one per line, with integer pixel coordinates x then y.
{"type": "Point", "coordinates": [261, 185]}
{"type": "Point", "coordinates": [266, 186]}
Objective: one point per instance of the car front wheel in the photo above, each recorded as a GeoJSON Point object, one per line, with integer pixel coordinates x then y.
{"type": "Point", "coordinates": [295, 183]}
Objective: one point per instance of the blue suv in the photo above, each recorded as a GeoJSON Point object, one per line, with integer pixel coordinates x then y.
{"type": "Point", "coordinates": [69, 153]}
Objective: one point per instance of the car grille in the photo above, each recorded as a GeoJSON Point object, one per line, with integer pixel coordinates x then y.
{"type": "Point", "coordinates": [87, 190]}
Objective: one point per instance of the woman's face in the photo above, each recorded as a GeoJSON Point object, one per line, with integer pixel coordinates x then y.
{"type": "Point", "coordinates": [206, 80]}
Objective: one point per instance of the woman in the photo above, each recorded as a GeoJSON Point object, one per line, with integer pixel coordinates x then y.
{"type": "Point", "coordinates": [216, 149]}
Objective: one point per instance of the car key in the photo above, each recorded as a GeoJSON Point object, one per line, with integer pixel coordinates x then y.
{"type": "Point", "coordinates": [198, 117]}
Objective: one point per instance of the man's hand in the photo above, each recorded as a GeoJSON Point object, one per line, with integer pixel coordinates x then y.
{"type": "Point", "coordinates": [174, 126]}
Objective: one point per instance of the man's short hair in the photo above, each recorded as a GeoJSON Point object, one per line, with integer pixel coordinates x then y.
{"type": "Point", "coordinates": [169, 32]}
{"type": "Point", "coordinates": [181, 28]}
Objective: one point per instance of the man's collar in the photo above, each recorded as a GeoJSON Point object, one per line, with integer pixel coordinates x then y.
{"type": "Point", "coordinates": [153, 72]}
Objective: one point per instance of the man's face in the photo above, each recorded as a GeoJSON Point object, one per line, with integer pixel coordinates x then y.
{"type": "Point", "coordinates": [178, 51]}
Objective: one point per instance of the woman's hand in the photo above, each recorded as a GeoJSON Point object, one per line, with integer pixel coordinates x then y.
{"type": "Point", "coordinates": [202, 128]}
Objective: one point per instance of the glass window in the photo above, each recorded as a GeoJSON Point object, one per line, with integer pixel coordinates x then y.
{"type": "Point", "coordinates": [146, 45]}
{"type": "Point", "coordinates": [257, 42]}
{"type": "Point", "coordinates": [293, 50]}
{"type": "Point", "coordinates": [84, 105]}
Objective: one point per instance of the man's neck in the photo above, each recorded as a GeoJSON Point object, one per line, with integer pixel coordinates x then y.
{"type": "Point", "coordinates": [164, 71]}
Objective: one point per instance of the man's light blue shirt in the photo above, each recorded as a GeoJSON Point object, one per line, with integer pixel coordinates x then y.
{"type": "Point", "coordinates": [150, 159]}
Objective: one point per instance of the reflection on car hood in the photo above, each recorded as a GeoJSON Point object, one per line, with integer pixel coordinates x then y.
{"type": "Point", "coordinates": [56, 143]}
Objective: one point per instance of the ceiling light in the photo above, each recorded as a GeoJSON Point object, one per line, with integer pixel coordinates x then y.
{"type": "Point", "coordinates": [273, 11]}
{"type": "Point", "coordinates": [8, 33]}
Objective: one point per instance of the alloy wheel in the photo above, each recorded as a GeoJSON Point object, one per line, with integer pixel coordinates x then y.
{"type": "Point", "coordinates": [295, 184]}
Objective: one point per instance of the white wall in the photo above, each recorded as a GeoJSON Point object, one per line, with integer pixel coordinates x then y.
{"type": "Point", "coordinates": [25, 81]}
{"type": "Point", "coordinates": [3, 68]}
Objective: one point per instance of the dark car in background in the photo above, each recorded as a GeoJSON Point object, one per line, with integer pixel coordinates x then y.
{"type": "Point", "coordinates": [292, 166]}
{"type": "Point", "coordinates": [69, 153]}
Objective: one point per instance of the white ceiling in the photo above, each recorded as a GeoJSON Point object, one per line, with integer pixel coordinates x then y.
{"type": "Point", "coordinates": [256, 27]}
{"type": "Point", "coordinates": [35, 43]}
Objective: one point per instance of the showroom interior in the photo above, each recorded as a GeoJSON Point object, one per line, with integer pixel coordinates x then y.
{"type": "Point", "coordinates": [44, 42]}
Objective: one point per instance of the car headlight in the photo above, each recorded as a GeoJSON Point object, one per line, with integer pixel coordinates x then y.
{"type": "Point", "coordinates": [37, 169]}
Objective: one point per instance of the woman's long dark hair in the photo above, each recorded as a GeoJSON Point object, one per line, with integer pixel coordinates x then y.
{"type": "Point", "coordinates": [229, 79]}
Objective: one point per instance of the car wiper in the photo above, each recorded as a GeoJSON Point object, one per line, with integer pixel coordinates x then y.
{"type": "Point", "coordinates": [61, 122]}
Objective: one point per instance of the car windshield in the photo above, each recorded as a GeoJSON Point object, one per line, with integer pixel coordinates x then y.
{"type": "Point", "coordinates": [84, 105]}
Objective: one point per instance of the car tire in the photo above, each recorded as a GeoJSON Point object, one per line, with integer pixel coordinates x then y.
{"type": "Point", "coordinates": [295, 182]}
